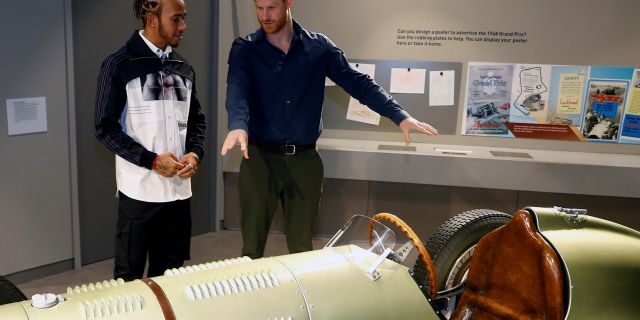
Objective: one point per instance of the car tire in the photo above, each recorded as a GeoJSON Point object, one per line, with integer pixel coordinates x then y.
{"type": "Point", "coordinates": [451, 246]}
{"type": "Point", "coordinates": [9, 293]}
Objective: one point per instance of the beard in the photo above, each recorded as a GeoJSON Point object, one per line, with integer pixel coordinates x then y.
{"type": "Point", "coordinates": [171, 39]}
{"type": "Point", "coordinates": [273, 26]}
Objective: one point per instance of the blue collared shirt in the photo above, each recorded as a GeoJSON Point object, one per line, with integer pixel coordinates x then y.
{"type": "Point", "coordinates": [278, 97]}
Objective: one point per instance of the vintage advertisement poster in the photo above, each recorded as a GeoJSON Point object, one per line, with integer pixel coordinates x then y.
{"type": "Point", "coordinates": [530, 94]}
{"type": "Point", "coordinates": [568, 88]}
{"type": "Point", "coordinates": [557, 102]}
{"type": "Point", "coordinates": [563, 108]}
{"type": "Point", "coordinates": [605, 103]}
{"type": "Point", "coordinates": [631, 124]}
{"type": "Point", "coordinates": [488, 99]}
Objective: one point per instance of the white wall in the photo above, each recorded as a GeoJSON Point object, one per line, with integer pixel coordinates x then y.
{"type": "Point", "coordinates": [35, 188]}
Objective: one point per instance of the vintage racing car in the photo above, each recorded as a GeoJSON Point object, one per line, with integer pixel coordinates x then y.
{"type": "Point", "coordinates": [540, 263]}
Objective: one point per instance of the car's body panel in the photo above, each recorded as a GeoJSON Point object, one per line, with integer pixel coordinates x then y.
{"type": "Point", "coordinates": [13, 311]}
{"type": "Point", "coordinates": [312, 285]}
{"type": "Point", "coordinates": [602, 261]}
{"type": "Point", "coordinates": [333, 276]}
{"type": "Point", "coordinates": [108, 299]}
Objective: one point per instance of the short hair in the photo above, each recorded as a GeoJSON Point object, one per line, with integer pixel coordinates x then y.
{"type": "Point", "coordinates": [142, 7]}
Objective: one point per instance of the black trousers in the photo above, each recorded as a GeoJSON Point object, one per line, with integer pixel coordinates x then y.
{"type": "Point", "coordinates": [267, 179]}
{"type": "Point", "coordinates": [160, 230]}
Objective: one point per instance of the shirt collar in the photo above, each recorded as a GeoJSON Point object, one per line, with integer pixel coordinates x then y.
{"type": "Point", "coordinates": [297, 29]}
{"type": "Point", "coordinates": [155, 49]}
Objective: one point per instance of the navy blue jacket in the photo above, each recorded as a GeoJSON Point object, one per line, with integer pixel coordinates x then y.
{"type": "Point", "coordinates": [134, 60]}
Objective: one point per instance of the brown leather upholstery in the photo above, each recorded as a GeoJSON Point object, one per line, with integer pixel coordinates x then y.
{"type": "Point", "coordinates": [514, 274]}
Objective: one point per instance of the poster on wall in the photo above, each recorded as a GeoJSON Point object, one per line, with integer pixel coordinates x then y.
{"type": "Point", "coordinates": [576, 103]}
{"type": "Point", "coordinates": [631, 124]}
{"type": "Point", "coordinates": [568, 85]}
{"type": "Point", "coordinates": [549, 103]}
{"type": "Point", "coordinates": [442, 88]}
{"type": "Point", "coordinates": [488, 99]}
{"type": "Point", "coordinates": [605, 103]}
{"type": "Point", "coordinates": [26, 115]}
{"type": "Point", "coordinates": [530, 94]}
{"type": "Point", "coordinates": [408, 80]}
{"type": "Point", "coordinates": [524, 101]}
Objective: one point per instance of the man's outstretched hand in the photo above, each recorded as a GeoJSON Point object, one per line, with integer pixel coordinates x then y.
{"type": "Point", "coordinates": [237, 136]}
{"type": "Point", "coordinates": [411, 124]}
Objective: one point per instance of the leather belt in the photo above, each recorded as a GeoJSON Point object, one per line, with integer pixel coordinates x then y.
{"type": "Point", "coordinates": [285, 149]}
{"type": "Point", "coordinates": [165, 305]}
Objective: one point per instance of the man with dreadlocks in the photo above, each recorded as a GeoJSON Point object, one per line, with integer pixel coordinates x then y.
{"type": "Point", "coordinates": [148, 114]}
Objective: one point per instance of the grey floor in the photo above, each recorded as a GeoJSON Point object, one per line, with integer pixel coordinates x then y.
{"type": "Point", "coordinates": [204, 248]}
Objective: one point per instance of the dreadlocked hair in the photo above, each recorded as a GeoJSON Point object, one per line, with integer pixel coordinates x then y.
{"type": "Point", "coordinates": [142, 7]}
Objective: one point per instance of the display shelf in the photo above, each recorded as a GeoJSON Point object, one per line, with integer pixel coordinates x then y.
{"type": "Point", "coordinates": [483, 152]}
{"type": "Point", "coordinates": [477, 167]}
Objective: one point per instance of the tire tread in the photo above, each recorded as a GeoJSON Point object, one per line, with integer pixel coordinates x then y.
{"type": "Point", "coordinates": [456, 235]}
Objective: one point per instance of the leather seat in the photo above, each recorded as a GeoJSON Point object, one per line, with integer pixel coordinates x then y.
{"type": "Point", "coordinates": [514, 274]}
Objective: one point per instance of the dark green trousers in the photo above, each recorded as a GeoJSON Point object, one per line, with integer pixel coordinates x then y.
{"type": "Point", "coordinates": [267, 179]}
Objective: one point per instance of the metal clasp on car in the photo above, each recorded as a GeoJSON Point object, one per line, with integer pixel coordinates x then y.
{"type": "Point", "coordinates": [573, 211]}
{"type": "Point", "coordinates": [575, 216]}
{"type": "Point", "coordinates": [289, 149]}
{"type": "Point", "coordinates": [372, 272]}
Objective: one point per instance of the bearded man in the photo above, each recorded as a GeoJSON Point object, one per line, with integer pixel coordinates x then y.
{"type": "Point", "coordinates": [275, 90]}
